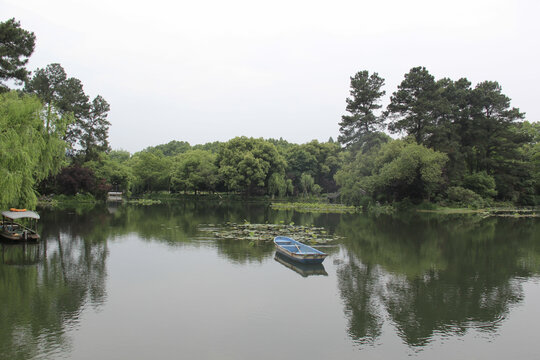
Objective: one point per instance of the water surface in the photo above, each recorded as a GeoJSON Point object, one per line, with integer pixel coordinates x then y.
{"type": "Point", "coordinates": [136, 282]}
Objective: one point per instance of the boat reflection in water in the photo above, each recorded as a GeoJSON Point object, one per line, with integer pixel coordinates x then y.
{"type": "Point", "coordinates": [303, 269]}
{"type": "Point", "coordinates": [22, 254]}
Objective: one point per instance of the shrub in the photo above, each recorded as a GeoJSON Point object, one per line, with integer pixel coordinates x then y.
{"type": "Point", "coordinates": [464, 197]}
{"type": "Point", "coordinates": [75, 179]}
{"type": "Point", "coordinates": [481, 183]}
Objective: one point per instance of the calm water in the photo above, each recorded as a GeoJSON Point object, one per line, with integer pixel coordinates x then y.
{"type": "Point", "coordinates": [144, 282]}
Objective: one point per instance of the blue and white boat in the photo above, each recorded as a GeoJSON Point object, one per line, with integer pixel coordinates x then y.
{"type": "Point", "coordinates": [297, 251]}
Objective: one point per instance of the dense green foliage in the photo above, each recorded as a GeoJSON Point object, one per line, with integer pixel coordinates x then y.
{"type": "Point", "coordinates": [461, 145]}
{"type": "Point", "coordinates": [51, 119]}
{"type": "Point", "coordinates": [478, 148]}
{"type": "Point", "coordinates": [246, 164]}
{"type": "Point", "coordinates": [87, 135]}
{"type": "Point", "coordinates": [319, 160]}
{"type": "Point", "coordinates": [243, 165]}
{"type": "Point", "coordinates": [151, 171]}
{"type": "Point", "coordinates": [277, 185]}
{"type": "Point", "coordinates": [360, 129]}
{"type": "Point", "coordinates": [397, 170]}
{"type": "Point", "coordinates": [195, 170]}
{"type": "Point", "coordinates": [29, 151]}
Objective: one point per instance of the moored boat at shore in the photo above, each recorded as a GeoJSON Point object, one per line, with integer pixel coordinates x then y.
{"type": "Point", "coordinates": [23, 230]}
{"type": "Point", "coordinates": [297, 251]}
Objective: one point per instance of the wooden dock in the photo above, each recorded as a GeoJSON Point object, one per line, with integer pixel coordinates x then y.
{"type": "Point", "coordinates": [114, 196]}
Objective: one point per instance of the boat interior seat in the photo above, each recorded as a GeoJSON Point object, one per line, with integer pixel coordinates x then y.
{"type": "Point", "coordinates": [291, 248]}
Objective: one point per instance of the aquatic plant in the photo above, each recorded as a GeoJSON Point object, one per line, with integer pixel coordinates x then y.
{"type": "Point", "coordinates": [267, 232]}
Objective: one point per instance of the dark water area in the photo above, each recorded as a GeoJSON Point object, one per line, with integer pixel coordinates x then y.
{"type": "Point", "coordinates": [139, 282]}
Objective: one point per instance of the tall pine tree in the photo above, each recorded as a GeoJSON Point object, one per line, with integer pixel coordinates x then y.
{"type": "Point", "coordinates": [16, 46]}
{"type": "Point", "coordinates": [360, 128]}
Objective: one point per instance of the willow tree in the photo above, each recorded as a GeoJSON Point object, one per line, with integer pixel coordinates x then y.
{"type": "Point", "coordinates": [29, 151]}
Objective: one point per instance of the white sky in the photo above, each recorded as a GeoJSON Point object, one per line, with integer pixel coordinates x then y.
{"type": "Point", "coordinates": [202, 71]}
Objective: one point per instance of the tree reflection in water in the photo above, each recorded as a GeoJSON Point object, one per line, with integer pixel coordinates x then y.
{"type": "Point", "coordinates": [434, 274]}
{"type": "Point", "coordinates": [360, 288]}
{"type": "Point", "coordinates": [44, 289]}
{"type": "Point", "coordinates": [424, 275]}
{"type": "Point", "coordinates": [41, 300]}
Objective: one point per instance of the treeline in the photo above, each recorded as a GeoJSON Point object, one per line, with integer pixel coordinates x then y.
{"type": "Point", "coordinates": [461, 144]}
{"type": "Point", "coordinates": [243, 165]}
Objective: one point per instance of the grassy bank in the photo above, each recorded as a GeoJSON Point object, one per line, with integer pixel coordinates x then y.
{"type": "Point", "coordinates": [313, 207]}
{"type": "Point", "coordinates": [503, 212]}
{"type": "Point", "coordinates": [57, 200]}
{"type": "Point", "coordinates": [308, 205]}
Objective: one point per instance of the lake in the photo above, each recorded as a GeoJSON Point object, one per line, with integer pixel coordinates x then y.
{"type": "Point", "coordinates": [141, 282]}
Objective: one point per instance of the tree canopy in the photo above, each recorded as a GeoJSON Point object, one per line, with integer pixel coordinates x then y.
{"type": "Point", "coordinates": [246, 164]}
{"type": "Point", "coordinates": [475, 127]}
{"type": "Point", "coordinates": [397, 170]}
{"type": "Point", "coordinates": [87, 134]}
{"type": "Point", "coordinates": [412, 106]}
{"type": "Point", "coordinates": [16, 47]}
{"type": "Point", "coordinates": [195, 170]}
{"type": "Point", "coordinates": [360, 128]}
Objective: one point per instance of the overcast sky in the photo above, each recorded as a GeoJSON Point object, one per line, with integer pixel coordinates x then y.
{"type": "Point", "coordinates": [202, 71]}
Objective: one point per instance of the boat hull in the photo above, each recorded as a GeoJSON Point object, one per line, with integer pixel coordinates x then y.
{"type": "Point", "coordinates": [304, 259]}
{"type": "Point", "coordinates": [297, 251]}
{"type": "Point", "coordinates": [17, 236]}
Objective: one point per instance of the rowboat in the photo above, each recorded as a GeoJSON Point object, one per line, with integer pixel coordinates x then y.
{"type": "Point", "coordinates": [23, 230]}
{"type": "Point", "coordinates": [297, 251]}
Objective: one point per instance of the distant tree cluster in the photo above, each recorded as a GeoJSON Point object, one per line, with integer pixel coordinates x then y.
{"type": "Point", "coordinates": [460, 143]}
{"type": "Point", "coordinates": [241, 165]}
